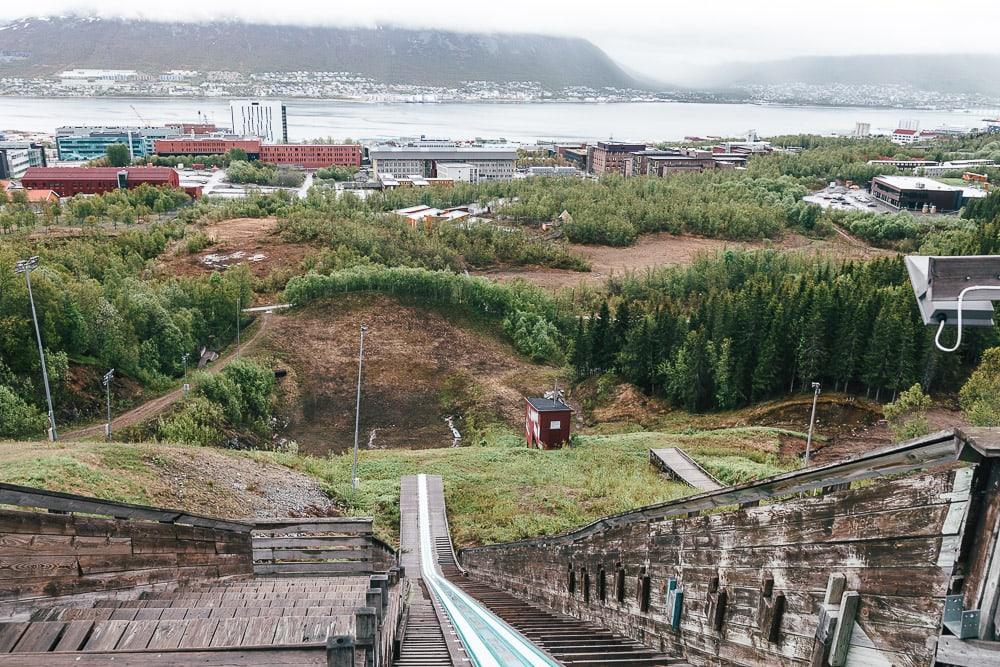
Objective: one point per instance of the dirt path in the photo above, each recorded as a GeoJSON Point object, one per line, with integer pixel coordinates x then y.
{"type": "Point", "coordinates": [157, 405]}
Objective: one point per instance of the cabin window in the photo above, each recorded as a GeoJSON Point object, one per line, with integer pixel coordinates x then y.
{"type": "Point", "coordinates": [555, 424]}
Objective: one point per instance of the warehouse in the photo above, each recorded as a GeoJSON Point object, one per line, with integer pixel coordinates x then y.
{"type": "Point", "coordinates": [69, 181]}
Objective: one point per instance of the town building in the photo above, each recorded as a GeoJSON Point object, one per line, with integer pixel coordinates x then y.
{"type": "Point", "coordinates": [207, 145]}
{"type": "Point", "coordinates": [266, 119]}
{"type": "Point", "coordinates": [906, 135]}
{"type": "Point", "coordinates": [196, 128]}
{"type": "Point", "coordinates": [904, 163]}
{"type": "Point", "coordinates": [955, 165]}
{"type": "Point", "coordinates": [459, 172]}
{"type": "Point", "coordinates": [69, 181]}
{"type": "Point", "coordinates": [546, 423]}
{"type": "Point", "coordinates": [36, 151]}
{"type": "Point", "coordinates": [555, 170]}
{"type": "Point", "coordinates": [609, 157]}
{"type": "Point", "coordinates": [89, 143]}
{"type": "Point", "coordinates": [914, 192]}
{"type": "Point", "coordinates": [14, 162]}
{"type": "Point", "coordinates": [312, 156]}
{"type": "Point", "coordinates": [493, 163]}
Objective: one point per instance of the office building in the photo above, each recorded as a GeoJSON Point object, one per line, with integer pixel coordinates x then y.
{"type": "Point", "coordinates": [90, 143]}
{"type": "Point", "coordinates": [459, 172]}
{"type": "Point", "coordinates": [312, 156]}
{"type": "Point", "coordinates": [913, 193]}
{"type": "Point", "coordinates": [609, 157]}
{"type": "Point", "coordinates": [36, 151]}
{"type": "Point", "coordinates": [13, 162]}
{"type": "Point", "coordinates": [69, 181]}
{"type": "Point", "coordinates": [210, 145]}
{"type": "Point", "coordinates": [403, 161]}
{"type": "Point", "coordinates": [266, 119]}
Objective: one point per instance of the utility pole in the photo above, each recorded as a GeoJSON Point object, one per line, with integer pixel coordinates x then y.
{"type": "Point", "coordinates": [812, 420]}
{"type": "Point", "coordinates": [25, 266]}
{"type": "Point", "coordinates": [106, 381]}
{"type": "Point", "coordinates": [357, 410]}
{"type": "Point", "coordinates": [239, 310]}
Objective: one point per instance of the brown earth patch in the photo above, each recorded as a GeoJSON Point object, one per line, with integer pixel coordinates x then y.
{"type": "Point", "coordinates": [662, 249]}
{"type": "Point", "coordinates": [419, 368]}
{"type": "Point", "coordinates": [254, 242]}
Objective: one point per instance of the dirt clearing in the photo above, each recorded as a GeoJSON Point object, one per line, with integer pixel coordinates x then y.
{"type": "Point", "coordinates": [251, 241]}
{"type": "Point", "coordinates": [419, 368]}
{"type": "Point", "coordinates": [658, 250]}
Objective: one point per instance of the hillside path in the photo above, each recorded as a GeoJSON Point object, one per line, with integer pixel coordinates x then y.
{"type": "Point", "coordinates": [159, 404]}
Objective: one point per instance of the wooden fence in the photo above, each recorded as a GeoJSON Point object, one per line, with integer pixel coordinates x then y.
{"type": "Point", "coordinates": [78, 544]}
{"type": "Point", "coordinates": [319, 546]}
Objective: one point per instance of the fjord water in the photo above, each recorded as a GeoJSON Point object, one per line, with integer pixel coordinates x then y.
{"type": "Point", "coordinates": [521, 122]}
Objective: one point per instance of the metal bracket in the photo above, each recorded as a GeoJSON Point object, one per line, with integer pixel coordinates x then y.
{"type": "Point", "coordinates": [962, 623]}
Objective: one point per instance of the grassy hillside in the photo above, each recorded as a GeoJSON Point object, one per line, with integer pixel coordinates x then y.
{"type": "Point", "coordinates": [195, 479]}
{"type": "Point", "coordinates": [505, 491]}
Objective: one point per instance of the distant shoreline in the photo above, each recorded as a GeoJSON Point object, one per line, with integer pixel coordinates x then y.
{"type": "Point", "coordinates": [343, 100]}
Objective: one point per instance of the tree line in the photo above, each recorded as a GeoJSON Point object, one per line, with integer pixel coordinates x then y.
{"type": "Point", "coordinates": [742, 327]}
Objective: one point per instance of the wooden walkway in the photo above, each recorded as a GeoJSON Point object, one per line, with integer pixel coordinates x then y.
{"type": "Point", "coordinates": [678, 465]}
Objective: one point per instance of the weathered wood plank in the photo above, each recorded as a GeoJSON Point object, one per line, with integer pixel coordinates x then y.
{"type": "Point", "coordinates": [229, 632]}
{"type": "Point", "coordinates": [259, 632]}
{"type": "Point", "coordinates": [199, 633]}
{"type": "Point", "coordinates": [137, 635]}
{"type": "Point", "coordinates": [39, 637]}
{"type": "Point", "coordinates": [74, 636]}
{"type": "Point", "coordinates": [314, 656]}
{"type": "Point", "coordinates": [311, 568]}
{"type": "Point", "coordinates": [10, 633]}
{"type": "Point", "coordinates": [105, 635]}
{"type": "Point", "coordinates": [167, 634]}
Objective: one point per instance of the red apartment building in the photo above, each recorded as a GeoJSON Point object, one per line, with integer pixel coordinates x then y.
{"type": "Point", "coordinates": [205, 146]}
{"type": "Point", "coordinates": [310, 156]}
{"type": "Point", "coordinates": [69, 181]}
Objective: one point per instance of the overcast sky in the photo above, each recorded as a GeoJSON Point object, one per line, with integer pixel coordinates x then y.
{"type": "Point", "coordinates": [666, 39]}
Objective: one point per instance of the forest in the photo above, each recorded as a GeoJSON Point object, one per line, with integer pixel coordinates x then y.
{"type": "Point", "coordinates": [732, 329]}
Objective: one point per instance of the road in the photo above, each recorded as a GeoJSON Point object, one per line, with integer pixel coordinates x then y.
{"type": "Point", "coordinates": [488, 640]}
{"type": "Point", "coordinates": [159, 404]}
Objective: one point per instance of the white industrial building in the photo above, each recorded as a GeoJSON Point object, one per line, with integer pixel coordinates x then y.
{"type": "Point", "coordinates": [266, 119]}
{"type": "Point", "coordinates": [460, 172]}
{"type": "Point", "coordinates": [492, 164]}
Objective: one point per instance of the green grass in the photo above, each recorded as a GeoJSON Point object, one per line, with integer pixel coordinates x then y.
{"type": "Point", "coordinates": [504, 491]}
{"type": "Point", "coordinates": [62, 471]}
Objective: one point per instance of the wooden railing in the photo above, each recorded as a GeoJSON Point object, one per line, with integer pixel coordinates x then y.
{"type": "Point", "coordinates": [84, 544]}
{"type": "Point", "coordinates": [319, 546]}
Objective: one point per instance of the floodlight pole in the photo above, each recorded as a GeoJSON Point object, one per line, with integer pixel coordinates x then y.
{"type": "Point", "coordinates": [106, 381]}
{"type": "Point", "coordinates": [812, 420]}
{"type": "Point", "coordinates": [239, 309]}
{"type": "Point", "coordinates": [25, 267]}
{"type": "Point", "coordinates": [357, 410]}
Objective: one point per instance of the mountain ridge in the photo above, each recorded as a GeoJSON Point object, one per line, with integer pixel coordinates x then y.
{"type": "Point", "coordinates": [45, 46]}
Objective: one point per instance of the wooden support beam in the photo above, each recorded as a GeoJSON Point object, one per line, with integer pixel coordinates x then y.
{"type": "Point", "coordinates": [844, 628]}
{"type": "Point", "coordinates": [340, 651]}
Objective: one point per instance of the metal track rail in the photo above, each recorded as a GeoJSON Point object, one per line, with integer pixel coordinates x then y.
{"type": "Point", "coordinates": [488, 640]}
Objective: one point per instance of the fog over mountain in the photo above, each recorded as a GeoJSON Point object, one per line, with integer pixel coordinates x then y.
{"type": "Point", "coordinates": [388, 54]}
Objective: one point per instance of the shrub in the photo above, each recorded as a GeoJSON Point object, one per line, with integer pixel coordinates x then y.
{"type": "Point", "coordinates": [980, 396]}
{"type": "Point", "coordinates": [907, 415]}
{"type": "Point", "coordinates": [18, 418]}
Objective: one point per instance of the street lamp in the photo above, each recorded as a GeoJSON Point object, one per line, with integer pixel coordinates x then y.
{"type": "Point", "coordinates": [25, 266]}
{"type": "Point", "coordinates": [357, 410]}
{"type": "Point", "coordinates": [106, 381]}
{"type": "Point", "coordinates": [812, 420]}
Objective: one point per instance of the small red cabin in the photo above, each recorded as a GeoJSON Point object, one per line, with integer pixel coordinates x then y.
{"type": "Point", "coordinates": [546, 423]}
